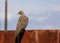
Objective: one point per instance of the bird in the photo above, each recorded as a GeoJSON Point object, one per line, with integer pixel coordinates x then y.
{"type": "Point", "coordinates": [21, 25]}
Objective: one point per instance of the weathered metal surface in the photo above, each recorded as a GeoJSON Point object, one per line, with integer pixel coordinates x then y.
{"type": "Point", "coordinates": [43, 36]}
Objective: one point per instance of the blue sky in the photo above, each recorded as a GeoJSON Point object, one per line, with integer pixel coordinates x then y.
{"type": "Point", "coordinates": [42, 14]}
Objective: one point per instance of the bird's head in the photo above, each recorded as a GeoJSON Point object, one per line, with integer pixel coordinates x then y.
{"type": "Point", "coordinates": [21, 12]}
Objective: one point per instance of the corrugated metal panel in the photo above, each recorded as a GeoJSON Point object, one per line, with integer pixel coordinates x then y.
{"type": "Point", "coordinates": [29, 37]}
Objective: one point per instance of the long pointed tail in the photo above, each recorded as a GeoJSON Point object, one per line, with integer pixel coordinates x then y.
{"type": "Point", "coordinates": [19, 36]}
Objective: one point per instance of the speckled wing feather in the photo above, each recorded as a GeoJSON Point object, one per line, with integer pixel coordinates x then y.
{"type": "Point", "coordinates": [22, 23]}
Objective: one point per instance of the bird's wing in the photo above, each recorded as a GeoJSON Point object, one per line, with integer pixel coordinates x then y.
{"type": "Point", "coordinates": [22, 23]}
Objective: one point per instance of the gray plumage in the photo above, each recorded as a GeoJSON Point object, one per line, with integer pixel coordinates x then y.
{"type": "Point", "coordinates": [22, 22]}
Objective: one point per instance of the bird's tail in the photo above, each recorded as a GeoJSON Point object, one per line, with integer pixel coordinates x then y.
{"type": "Point", "coordinates": [19, 36]}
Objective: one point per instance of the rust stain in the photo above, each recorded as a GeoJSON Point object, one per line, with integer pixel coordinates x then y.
{"type": "Point", "coordinates": [44, 36]}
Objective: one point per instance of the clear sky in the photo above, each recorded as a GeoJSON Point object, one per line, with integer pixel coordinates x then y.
{"type": "Point", "coordinates": [42, 14]}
